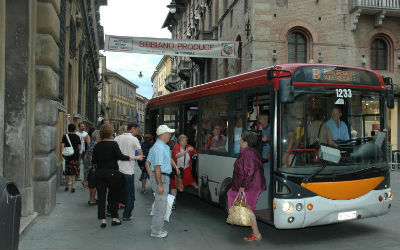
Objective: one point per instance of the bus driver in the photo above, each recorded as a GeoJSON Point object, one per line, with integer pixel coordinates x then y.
{"type": "Point", "coordinates": [338, 127]}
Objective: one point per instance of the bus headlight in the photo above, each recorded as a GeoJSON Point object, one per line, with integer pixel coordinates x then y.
{"type": "Point", "coordinates": [390, 194]}
{"type": "Point", "coordinates": [287, 207]}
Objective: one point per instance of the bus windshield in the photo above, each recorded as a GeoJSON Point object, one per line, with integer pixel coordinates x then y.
{"type": "Point", "coordinates": [346, 119]}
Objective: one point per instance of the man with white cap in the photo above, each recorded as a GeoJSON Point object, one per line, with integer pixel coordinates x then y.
{"type": "Point", "coordinates": [159, 159]}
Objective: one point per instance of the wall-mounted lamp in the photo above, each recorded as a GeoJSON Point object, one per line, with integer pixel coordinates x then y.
{"type": "Point", "coordinates": [172, 7]}
{"type": "Point", "coordinates": [188, 34]}
{"type": "Point", "coordinates": [363, 60]}
{"type": "Point", "coordinates": [247, 28]}
{"type": "Point", "coordinates": [274, 55]}
{"type": "Point", "coordinates": [320, 57]}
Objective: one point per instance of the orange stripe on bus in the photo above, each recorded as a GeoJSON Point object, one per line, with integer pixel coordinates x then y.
{"type": "Point", "coordinates": [343, 190]}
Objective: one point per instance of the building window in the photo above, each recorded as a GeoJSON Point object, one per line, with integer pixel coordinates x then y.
{"type": "Point", "coordinates": [297, 48]}
{"type": "Point", "coordinates": [238, 62]}
{"type": "Point", "coordinates": [246, 6]}
{"type": "Point", "coordinates": [225, 68]}
{"type": "Point", "coordinates": [379, 54]}
{"type": "Point", "coordinates": [231, 18]}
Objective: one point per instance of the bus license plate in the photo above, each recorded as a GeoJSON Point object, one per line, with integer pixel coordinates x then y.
{"type": "Point", "coordinates": [347, 215]}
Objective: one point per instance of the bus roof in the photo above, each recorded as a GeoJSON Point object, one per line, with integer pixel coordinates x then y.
{"type": "Point", "coordinates": [253, 79]}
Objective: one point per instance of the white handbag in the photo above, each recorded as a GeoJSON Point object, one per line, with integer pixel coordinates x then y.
{"type": "Point", "coordinates": [68, 151]}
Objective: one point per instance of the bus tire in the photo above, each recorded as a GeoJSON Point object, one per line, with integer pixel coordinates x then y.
{"type": "Point", "coordinates": [223, 197]}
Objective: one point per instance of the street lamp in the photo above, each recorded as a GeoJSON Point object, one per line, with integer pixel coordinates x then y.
{"type": "Point", "coordinates": [140, 75]}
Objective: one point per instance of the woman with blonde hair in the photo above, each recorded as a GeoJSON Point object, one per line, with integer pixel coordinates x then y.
{"type": "Point", "coordinates": [106, 154]}
{"type": "Point", "coordinates": [182, 154]}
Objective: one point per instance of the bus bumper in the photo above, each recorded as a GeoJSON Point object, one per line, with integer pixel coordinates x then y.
{"type": "Point", "coordinates": [313, 211]}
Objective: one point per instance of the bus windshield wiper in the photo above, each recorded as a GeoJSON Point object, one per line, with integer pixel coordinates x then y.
{"type": "Point", "coordinates": [308, 178]}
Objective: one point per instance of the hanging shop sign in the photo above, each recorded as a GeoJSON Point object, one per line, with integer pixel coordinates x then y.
{"type": "Point", "coordinates": [161, 46]}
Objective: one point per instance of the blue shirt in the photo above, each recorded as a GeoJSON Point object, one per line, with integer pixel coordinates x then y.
{"type": "Point", "coordinates": [160, 154]}
{"type": "Point", "coordinates": [266, 145]}
{"type": "Point", "coordinates": [339, 133]}
{"type": "Point", "coordinates": [236, 141]}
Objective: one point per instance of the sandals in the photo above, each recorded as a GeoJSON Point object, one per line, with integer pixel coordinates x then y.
{"type": "Point", "coordinates": [252, 238]}
{"type": "Point", "coordinates": [92, 203]}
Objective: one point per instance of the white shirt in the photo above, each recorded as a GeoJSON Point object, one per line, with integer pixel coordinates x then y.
{"type": "Point", "coordinates": [82, 136]}
{"type": "Point", "coordinates": [183, 161]}
{"type": "Point", "coordinates": [128, 145]}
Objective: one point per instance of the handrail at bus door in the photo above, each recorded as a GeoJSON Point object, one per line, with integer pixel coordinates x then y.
{"type": "Point", "coordinates": [301, 150]}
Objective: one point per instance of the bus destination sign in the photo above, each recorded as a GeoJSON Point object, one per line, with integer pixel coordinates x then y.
{"type": "Point", "coordinates": [334, 74]}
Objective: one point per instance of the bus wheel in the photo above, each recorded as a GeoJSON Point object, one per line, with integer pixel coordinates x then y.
{"type": "Point", "coordinates": [223, 197]}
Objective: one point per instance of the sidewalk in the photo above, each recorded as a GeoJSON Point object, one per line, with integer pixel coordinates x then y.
{"type": "Point", "coordinates": [73, 224]}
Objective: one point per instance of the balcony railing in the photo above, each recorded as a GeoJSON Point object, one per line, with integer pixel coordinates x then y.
{"type": "Point", "coordinates": [377, 8]}
{"type": "Point", "coordinates": [380, 4]}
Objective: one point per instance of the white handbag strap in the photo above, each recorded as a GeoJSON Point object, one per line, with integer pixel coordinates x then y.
{"type": "Point", "coordinates": [70, 144]}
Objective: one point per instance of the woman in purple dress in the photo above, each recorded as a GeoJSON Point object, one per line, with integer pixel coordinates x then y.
{"type": "Point", "coordinates": [248, 176]}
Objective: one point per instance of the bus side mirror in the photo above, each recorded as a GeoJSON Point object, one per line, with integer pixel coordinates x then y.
{"type": "Point", "coordinates": [390, 98]}
{"type": "Point", "coordinates": [389, 92]}
{"type": "Point", "coordinates": [286, 90]}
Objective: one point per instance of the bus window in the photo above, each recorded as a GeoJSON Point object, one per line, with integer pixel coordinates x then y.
{"type": "Point", "coordinates": [215, 124]}
{"type": "Point", "coordinates": [235, 134]}
{"type": "Point", "coordinates": [171, 120]}
{"type": "Point", "coordinates": [258, 121]}
{"type": "Point", "coordinates": [191, 123]}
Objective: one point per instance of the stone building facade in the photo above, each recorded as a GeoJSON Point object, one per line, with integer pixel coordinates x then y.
{"type": "Point", "coordinates": [159, 77]}
{"type": "Point", "coordinates": [119, 98]}
{"type": "Point", "coordinates": [141, 103]}
{"type": "Point", "coordinates": [359, 33]}
{"type": "Point", "coordinates": [48, 69]}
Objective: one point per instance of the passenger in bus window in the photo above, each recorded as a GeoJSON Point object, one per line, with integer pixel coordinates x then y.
{"type": "Point", "coordinates": [216, 141]}
{"type": "Point", "coordinates": [338, 127]}
{"type": "Point", "coordinates": [248, 177]}
{"type": "Point", "coordinates": [317, 131]}
{"type": "Point", "coordinates": [237, 134]}
{"type": "Point", "coordinates": [266, 136]}
{"type": "Point", "coordinates": [288, 136]}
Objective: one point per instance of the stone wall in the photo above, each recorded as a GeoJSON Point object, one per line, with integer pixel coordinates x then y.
{"type": "Point", "coordinates": [47, 84]}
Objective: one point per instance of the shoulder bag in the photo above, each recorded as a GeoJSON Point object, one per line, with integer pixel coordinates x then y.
{"type": "Point", "coordinates": [68, 151]}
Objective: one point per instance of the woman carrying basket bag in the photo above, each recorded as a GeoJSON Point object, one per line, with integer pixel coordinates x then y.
{"type": "Point", "coordinates": [248, 178]}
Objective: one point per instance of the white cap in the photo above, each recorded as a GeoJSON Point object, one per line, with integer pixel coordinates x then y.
{"type": "Point", "coordinates": [164, 129]}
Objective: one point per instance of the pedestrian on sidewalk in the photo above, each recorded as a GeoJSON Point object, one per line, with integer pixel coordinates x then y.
{"type": "Point", "coordinates": [148, 142]}
{"type": "Point", "coordinates": [129, 144]}
{"type": "Point", "coordinates": [106, 154]}
{"type": "Point", "coordinates": [82, 135]}
{"type": "Point", "coordinates": [159, 159]}
{"type": "Point", "coordinates": [72, 164]}
{"type": "Point", "coordinates": [248, 177]}
{"type": "Point", "coordinates": [87, 163]}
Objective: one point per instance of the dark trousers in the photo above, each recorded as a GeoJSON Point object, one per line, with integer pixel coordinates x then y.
{"type": "Point", "coordinates": [130, 195]}
{"type": "Point", "coordinates": [107, 179]}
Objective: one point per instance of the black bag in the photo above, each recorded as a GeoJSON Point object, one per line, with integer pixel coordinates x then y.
{"type": "Point", "coordinates": [173, 173]}
{"type": "Point", "coordinates": [91, 178]}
